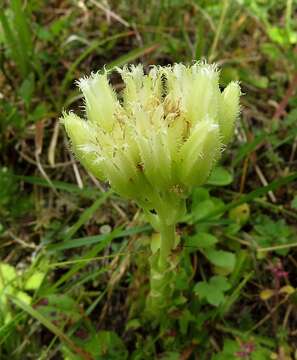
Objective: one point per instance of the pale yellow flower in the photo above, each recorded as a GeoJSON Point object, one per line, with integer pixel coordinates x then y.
{"type": "Point", "coordinates": [160, 137]}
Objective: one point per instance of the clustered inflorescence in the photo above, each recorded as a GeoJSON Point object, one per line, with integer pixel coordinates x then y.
{"type": "Point", "coordinates": [153, 143]}
{"type": "Point", "coordinates": [161, 137]}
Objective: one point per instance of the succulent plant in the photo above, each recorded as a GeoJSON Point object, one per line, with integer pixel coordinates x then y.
{"type": "Point", "coordinates": [155, 141]}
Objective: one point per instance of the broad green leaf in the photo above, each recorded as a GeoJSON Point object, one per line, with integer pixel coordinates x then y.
{"type": "Point", "coordinates": [220, 282]}
{"type": "Point", "coordinates": [7, 274]}
{"type": "Point", "coordinates": [198, 196]}
{"type": "Point", "coordinates": [202, 289]}
{"type": "Point", "coordinates": [240, 214]}
{"type": "Point", "coordinates": [221, 258]}
{"type": "Point", "coordinates": [201, 240]}
{"type": "Point", "coordinates": [25, 298]}
{"type": "Point", "coordinates": [34, 281]}
{"type": "Point", "coordinates": [215, 297]}
{"type": "Point", "coordinates": [220, 177]}
{"type": "Point", "coordinates": [213, 291]}
{"type": "Point", "coordinates": [133, 324]}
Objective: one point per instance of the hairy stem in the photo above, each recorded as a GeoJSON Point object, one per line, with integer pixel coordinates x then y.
{"type": "Point", "coordinates": [167, 233]}
{"type": "Point", "coordinates": [162, 272]}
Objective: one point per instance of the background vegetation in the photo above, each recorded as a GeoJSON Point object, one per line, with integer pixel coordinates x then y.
{"type": "Point", "coordinates": [74, 272]}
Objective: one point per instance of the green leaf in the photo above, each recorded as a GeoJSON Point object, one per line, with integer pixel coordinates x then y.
{"type": "Point", "coordinates": [203, 205]}
{"type": "Point", "coordinates": [275, 184]}
{"type": "Point", "coordinates": [240, 214]}
{"type": "Point", "coordinates": [201, 240]}
{"type": "Point", "coordinates": [26, 89]}
{"type": "Point", "coordinates": [133, 324]}
{"type": "Point", "coordinates": [228, 74]}
{"type": "Point", "coordinates": [199, 194]}
{"type": "Point", "coordinates": [254, 79]}
{"type": "Point", "coordinates": [34, 281]}
{"type": "Point", "coordinates": [59, 306]}
{"type": "Point", "coordinates": [184, 321]}
{"type": "Point", "coordinates": [294, 203]}
{"type": "Point", "coordinates": [171, 355]}
{"type": "Point", "coordinates": [273, 233]}
{"type": "Point", "coordinates": [224, 259]}
{"type": "Point", "coordinates": [62, 302]}
{"type": "Point", "coordinates": [103, 345]}
{"type": "Point", "coordinates": [215, 297]}
{"type": "Point", "coordinates": [281, 36]}
{"type": "Point", "coordinates": [271, 51]}
{"type": "Point", "coordinates": [220, 282]}
{"type": "Point", "coordinates": [8, 274]}
{"type": "Point", "coordinates": [202, 289]}
{"type": "Point", "coordinates": [205, 210]}
{"type": "Point", "coordinates": [25, 298]}
{"type": "Point", "coordinates": [220, 177]}
{"type": "Point", "coordinates": [229, 350]}
{"type": "Point", "coordinates": [213, 291]}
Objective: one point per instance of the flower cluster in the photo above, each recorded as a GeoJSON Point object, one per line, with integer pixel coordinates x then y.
{"type": "Point", "coordinates": [160, 137]}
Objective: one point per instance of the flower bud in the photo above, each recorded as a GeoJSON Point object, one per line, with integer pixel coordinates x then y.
{"type": "Point", "coordinates": [199, 153]}
{"type": "Point", "coordinates": [83, 142]}
{"type": "Point", "coordinates": [100, 100]}
{"type": "Point", "coordinates": [229, 110]}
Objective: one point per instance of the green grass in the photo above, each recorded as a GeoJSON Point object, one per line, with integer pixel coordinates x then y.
{"type": "Point", "coordinates": [238, 239]}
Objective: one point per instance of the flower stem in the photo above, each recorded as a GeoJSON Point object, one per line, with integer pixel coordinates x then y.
{"type": "Point", "coordinates": [162, 272]}
{"type": "Point", "coordinates": [167, 233]}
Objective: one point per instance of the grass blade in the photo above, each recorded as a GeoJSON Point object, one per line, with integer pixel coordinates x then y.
{"type": "Point", "coordinates": [132, 55]}
{"type": "Point", "coordinates": [92, 253]}
{"type": "Point", "coordinates": [22, 28]}
{"type": "Point", "coordinates": [86, 215]}
{"type": "Point", "coordinates": [92, 47]}
{"type": "Point", "coordinates": [13, 45]}
{"type": "Point", "coordinates": [86, 192]}
{"type": "Point", "coordinates": [90, 240]}
{"type": "Point", "coordinates": [50, 326]}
